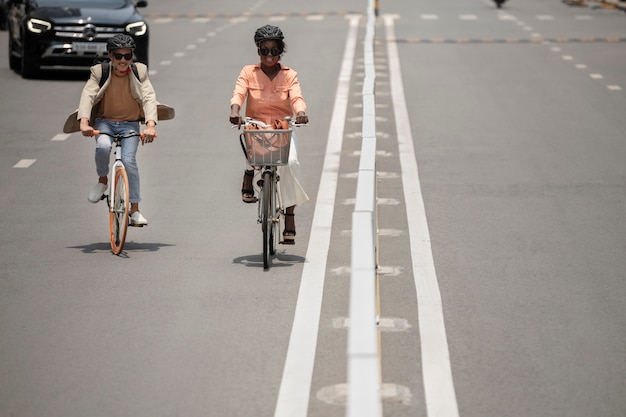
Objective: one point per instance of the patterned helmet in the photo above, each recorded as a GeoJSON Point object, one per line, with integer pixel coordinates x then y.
{"type": "Point", "coordinates": [120, 41]}
{"type": "Point", "coordinates": [268, 32]}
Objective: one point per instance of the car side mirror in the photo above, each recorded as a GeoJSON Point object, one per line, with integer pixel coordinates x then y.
{"type": "Point", "coordinates": [141, 3]}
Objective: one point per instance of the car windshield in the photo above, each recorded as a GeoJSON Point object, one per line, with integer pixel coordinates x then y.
{"type": "Point", "coordinates": [108, 4]}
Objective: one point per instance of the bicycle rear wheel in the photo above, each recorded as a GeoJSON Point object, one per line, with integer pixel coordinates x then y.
{"type": "Point", "coordinates": [266, 219]}
{"type": "Point", "coordinates": [118, 212]}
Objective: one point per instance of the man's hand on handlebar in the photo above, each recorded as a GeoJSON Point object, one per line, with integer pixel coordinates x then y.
{"type": "Point", "coordinates": [148, 134]}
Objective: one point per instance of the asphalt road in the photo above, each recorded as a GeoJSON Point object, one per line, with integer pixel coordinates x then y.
{"type": "Point", "coordinates": [518, 122]}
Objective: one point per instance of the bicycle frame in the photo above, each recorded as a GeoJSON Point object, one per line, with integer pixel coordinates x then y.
{"type": "Point", "coordinates": [119, 205]}
{"type": "Point", "coordinates": [117, 164]}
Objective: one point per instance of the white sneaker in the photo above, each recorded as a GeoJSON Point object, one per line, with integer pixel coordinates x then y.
{"type": "Point", "coordinates": [97, 192]}
{"type": "Point", "coordinates": [137, 219]}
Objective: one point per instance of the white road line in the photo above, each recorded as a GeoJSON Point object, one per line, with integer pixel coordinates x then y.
{"type": "Point", "coordinates": [295, 387]}
{"type": "Point", "coordinates": [24, 163]}
{"type": "Point", "coordinates": [437, 373]}
{"type": "Point", "coordinates": [60, 137]}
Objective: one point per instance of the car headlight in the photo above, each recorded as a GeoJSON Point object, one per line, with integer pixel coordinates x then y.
{"type": "Point", "coordinates": [137, 28]}
{"type": "Point", "coordinates": [38, 26]}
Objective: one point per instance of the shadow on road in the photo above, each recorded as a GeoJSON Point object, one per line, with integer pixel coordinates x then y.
{"type": "Point", "coordinates": [280, 260]}
{"type": "Point", "coordinates": [128, 247]}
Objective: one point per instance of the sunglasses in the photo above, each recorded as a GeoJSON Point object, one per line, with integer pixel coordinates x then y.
{"type": "Point", "coordinates": [127, 57]}
{"type": "Point", "coordinates": [273, 51]}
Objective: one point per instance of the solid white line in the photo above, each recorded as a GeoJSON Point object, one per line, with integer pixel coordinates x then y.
{"type": "Point", "coordinates": [295, 387]}
{"type": "Point", "coordinates": [437, 373]}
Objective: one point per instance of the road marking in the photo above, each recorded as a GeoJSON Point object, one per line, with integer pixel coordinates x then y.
{"type": "Point", "coordinates": [24, 163]}
{"type": "Point", "coordinates": [468, 17]}
{"type": "Point", "coordinates": [614, 87]}
{"type": "Point", "coordinates": [60, 137]}
{"type": "Point", "coordinates": [429, 17]}
{"type": "Point", "coordinates": [295, 386]}
{"type": "Point", "coordinates": [596, 76]}
{"type": "Point", "coordinates": [439, 390]}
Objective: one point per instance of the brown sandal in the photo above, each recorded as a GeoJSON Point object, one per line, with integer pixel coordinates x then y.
{"type": "Point", "coordinates": [289, 235]}
{"type": "Point", "coordinates": [247, 195]}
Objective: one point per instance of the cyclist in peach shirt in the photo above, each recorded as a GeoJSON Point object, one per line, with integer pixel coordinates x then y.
{"type": "Point", "coordinates": [272, 91]}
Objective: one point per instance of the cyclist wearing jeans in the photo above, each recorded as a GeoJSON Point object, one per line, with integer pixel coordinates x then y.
{"type": "Point", "coordinates": [116, 108]}
{"type": "Point", "coordinates": [272, 91]}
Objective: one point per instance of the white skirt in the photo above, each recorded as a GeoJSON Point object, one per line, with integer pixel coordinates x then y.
{"type": "Point", "coordinates": [291, 191]}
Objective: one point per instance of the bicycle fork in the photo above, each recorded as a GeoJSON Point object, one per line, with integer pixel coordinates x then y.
{"type": "Point", "coordinates": [276, 208]}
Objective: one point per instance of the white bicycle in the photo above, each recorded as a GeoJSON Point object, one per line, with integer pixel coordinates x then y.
{"type": "Point", "coordinates": [118, 199]}
{"type": "Point", "coordinates": [266, 150]}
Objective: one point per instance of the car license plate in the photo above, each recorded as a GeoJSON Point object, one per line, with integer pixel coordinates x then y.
{"type": "Point", "coordinates": [89, 46]}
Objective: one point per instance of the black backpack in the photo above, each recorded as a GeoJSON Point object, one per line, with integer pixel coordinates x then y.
{"type": "Point", "coordinates": [105, 71]}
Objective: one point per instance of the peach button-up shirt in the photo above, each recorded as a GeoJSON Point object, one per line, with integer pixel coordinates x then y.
{"type": "Point", "coordinates": [268, 100]}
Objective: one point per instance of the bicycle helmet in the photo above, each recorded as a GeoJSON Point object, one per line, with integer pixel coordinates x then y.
{"type": "Point", "coordinates": [268, 32]}
{"type": "Point", "coordinates": [120, 41]}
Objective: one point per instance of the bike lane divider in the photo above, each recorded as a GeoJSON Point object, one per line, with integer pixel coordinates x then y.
{"type": "Point", "coordinates": [438, 383]}
{"type": "Point", "coordinates": [295, 388]}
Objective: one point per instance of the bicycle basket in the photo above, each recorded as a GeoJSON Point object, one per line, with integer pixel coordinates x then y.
{"type": "Point", "coordinates": [267, 147]}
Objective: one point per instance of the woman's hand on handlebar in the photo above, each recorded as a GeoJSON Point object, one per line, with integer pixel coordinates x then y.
{"type": "Point", "coordinates": [302, 118]}
{"type": "Point", "coordinates": [237, 120]}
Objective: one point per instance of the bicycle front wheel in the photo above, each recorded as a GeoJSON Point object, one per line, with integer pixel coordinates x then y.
{"type": "Point", "coordinates": [118, 212]}
{"type": "Point", "coordinates": [266, 219]}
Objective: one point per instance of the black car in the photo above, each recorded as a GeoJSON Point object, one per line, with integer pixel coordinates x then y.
{"type": "Point", "coordinates": [4, 9]}
{"type": "Point", "coordinates": [70, 33]}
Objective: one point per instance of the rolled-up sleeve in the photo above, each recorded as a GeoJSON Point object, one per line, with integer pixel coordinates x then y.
{"type": "Point", "coordinates": [295, 94]}
{"type": "Point", "coordinates": [241, 88]}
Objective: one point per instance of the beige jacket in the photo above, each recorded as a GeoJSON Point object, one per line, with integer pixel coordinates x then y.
{"type": "Point", "coordinates": [141, 89]}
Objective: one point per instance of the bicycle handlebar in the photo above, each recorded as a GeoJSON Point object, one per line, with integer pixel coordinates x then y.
{"type": "Point", "coordinates": [130, 135]}
{"type": "Point", "coordinates": [249, 121]}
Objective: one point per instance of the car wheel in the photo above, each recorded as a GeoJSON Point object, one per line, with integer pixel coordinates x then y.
{"type": "Point", "coordinates": [30, 65]}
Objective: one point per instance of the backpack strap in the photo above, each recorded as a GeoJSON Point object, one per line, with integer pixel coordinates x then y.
{"type": "Point", "coordinates": [105, 72]}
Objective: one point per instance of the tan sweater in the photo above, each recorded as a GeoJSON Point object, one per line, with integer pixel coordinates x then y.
{"type": "Point", "coordinates": [118, 103]}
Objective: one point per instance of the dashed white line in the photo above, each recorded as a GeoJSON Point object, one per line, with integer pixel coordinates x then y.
{"type": "Point", "coordinates": [596, 76]}
{"type": "Point", "coordinates": [61, 137]}
{"type": "Point", "coordinates": [24, 163]}
{"type": "Point", "coordinates": [614, 87]}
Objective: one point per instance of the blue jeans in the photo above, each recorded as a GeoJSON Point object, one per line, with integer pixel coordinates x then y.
{"type": "Point", "coordinates": [129, 150]}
